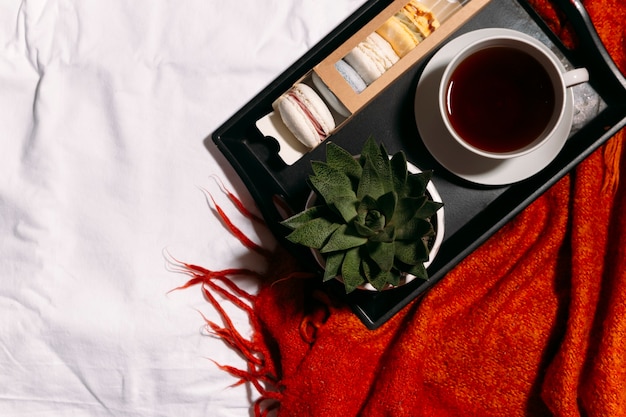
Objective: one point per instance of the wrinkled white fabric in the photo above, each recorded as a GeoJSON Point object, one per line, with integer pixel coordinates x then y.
{"type": "Point", "coordinates": [104, 111]}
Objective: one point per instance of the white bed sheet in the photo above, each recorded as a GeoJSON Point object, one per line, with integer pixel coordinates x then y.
{"type": "Point", "coordinates": [104, 109]}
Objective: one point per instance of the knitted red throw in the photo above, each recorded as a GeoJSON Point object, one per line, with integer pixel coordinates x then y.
{"type": "Point", "coordinates": [533, 323]}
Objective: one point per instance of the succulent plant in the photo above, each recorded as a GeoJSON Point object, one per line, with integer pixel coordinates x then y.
{"type": "Point", "coordinates": [371, 219]}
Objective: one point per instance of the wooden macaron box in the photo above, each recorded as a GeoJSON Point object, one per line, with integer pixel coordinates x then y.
{"type": "Point", "coordinates": [450, 14]}
{"type": "Point", "coordinates": [275, 170]}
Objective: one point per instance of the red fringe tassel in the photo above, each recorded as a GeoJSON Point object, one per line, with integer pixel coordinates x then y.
{"type": "Point", "coordinates": [220, 283]}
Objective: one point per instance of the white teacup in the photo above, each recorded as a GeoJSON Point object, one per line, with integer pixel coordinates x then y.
{"type": "Point", "coordinates": [504, 95]}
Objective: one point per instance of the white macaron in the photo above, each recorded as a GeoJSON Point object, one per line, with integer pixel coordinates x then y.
{"type": "Point", "coordinates": [305, 114]}
{"type": "Point", "coordinates": [372, 57]}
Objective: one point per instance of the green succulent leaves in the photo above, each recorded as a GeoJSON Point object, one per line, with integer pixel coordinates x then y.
{"type": "Point", "coordinates": [372, 217]}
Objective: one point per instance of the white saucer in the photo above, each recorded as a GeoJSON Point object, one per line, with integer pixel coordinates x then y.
{"type": "Point", "coordinates": [454, 157]}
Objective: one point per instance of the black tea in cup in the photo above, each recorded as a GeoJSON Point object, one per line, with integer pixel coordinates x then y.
{"type": "Point", "coordinates": [500, 99]}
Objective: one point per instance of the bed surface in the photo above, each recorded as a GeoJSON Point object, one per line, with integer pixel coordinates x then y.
{"type": "Point", "coordinates": [104, 172]}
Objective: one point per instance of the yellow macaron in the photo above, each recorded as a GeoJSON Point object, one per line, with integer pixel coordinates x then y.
{"type": "Point", "coordinates": [401, 39]}
{"type": "Point", "coordinates": [407, 28]}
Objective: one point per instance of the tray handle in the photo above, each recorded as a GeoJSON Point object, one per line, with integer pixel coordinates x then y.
{"type": "Point", "coordinates": [590, 50]}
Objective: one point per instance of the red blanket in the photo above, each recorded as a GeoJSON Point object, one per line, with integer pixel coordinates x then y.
{"type": "Point", "coordinates": [532, 323]}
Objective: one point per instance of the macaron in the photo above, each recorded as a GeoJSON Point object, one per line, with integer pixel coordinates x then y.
{"type": "Point", "coordinates": [399, 36]}
{"type": "Point", "coordinates": [418, 18]}
{"type": "Point", "coordinates": [305, 114]}
{"type": "Point", "coordinates": [329, 96]}
{"type": "Point", "coordinates": [371, 58]}
{"type": "Point", "coordinates": [407, 28]}
{"type": "Point", "coordinates": [350, 75]}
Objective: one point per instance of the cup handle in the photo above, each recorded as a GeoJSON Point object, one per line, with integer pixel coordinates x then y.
{"type": "Point", "coordinates": [575, 76]}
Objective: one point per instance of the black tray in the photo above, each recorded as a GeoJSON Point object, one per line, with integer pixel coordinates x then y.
{"type": "Point", "coordinates": [472, 213]}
